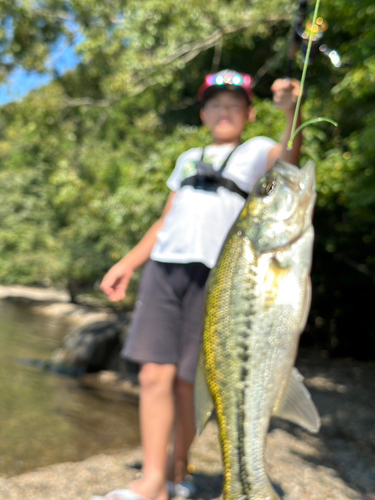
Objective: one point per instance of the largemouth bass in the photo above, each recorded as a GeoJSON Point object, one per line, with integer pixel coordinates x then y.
{"type": "Point", "coordinates": [258, 299]}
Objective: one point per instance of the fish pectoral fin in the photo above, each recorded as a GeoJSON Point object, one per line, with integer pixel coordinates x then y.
{"type": "Point", "coordinates": [203, 402]}
{"type": "Point", "coordinates": [297, 405]}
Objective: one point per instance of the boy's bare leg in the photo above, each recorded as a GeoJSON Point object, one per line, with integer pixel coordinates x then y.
{"type": "Point", "coordinates": [157, 410]}
{"type": "Point", "coordinates": [184, 430]}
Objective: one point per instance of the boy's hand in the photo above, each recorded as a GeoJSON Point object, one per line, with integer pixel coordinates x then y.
{"type": "Point", "coordinates": [285, 93]}
{"type": "Point", "coordinates": [115, 282]}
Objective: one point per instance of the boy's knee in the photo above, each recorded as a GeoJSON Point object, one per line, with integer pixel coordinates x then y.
{"type": "Point", "coordinates": [154, 375]}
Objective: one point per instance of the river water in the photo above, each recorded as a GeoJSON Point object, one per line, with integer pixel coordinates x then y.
{"type": "Point", "coordinates": [47, 418]}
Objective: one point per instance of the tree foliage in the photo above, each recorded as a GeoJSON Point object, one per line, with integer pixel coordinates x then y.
{"type": "Point", "coordinates": [85, 159]}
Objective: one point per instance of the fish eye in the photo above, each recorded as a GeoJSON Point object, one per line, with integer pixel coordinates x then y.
{"type": "Point", "coordinates": [266, 188]}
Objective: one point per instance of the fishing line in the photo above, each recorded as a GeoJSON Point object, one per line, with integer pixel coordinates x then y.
{"type": "Point", "coordinates": [294, 131]}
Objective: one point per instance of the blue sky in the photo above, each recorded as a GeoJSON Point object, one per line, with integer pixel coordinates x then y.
{"type": "Point", "coordinates": [20, 82]}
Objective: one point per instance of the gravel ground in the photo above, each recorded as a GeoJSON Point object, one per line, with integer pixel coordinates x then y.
{"type": "Point", "coordinates": [337, 464]}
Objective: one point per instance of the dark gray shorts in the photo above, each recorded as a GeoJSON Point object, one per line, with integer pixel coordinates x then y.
{"type": "Point", "coordinates": [167, 320]}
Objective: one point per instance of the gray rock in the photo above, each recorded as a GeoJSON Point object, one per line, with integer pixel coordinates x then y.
{"type": "Point", "coordinates": [95, 346]}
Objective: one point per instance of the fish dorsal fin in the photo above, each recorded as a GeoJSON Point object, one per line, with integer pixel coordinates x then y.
{"type": "Point", "coordinates": [297, 406]}
{"type": "Point", "coordinates": [203, 403]}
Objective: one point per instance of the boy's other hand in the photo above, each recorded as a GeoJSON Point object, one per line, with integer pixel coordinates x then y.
{"type": "Point", "coordinates": [115, 282]}
{"type": "Point", "coordinates": [285, 93]}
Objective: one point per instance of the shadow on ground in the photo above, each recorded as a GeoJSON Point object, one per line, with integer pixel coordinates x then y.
{"type": "Point", "coordinates": [344, 393]}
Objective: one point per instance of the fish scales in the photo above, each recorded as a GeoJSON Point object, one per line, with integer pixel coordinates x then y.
{"type": "Point", "coordinates": [250, 339]}
{"type": "Point", "coordinates": [240, 331]}
{"type": "Point", "coordinates": [216, 344]}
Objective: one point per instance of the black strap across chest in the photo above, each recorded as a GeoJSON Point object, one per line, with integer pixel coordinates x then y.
{"type": "Point", "coordinates": [209, 179]}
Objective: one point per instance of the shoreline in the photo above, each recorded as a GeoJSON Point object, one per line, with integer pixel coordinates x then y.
{"type": "Point", "coordinates": [336, 464]}
{"type": "Point", "coordinates": [55, 303]}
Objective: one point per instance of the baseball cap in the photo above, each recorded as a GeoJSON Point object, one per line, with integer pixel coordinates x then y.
{"type": "Point", "coordinates": [226, 79]}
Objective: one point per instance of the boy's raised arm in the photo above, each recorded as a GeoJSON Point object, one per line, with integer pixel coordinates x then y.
{"type": "Point", "coordinates": [285, 95]}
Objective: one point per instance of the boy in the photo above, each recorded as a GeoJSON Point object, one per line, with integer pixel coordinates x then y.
{"type": "Point", "coordinates": [208, 190]}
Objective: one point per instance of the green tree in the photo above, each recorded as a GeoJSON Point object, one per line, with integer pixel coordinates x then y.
{"type": "Point", "coordinates": [85, 159]}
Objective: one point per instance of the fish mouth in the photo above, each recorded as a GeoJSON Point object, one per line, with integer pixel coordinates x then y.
{"type": "Point", "coordinates": [281, 206]}
{"type": "Point", "coordinates": [303, 179]}
{"type": "Point", "coordinates": [302, 182]}
{"type": "Point", "coordinates": [297, 180]}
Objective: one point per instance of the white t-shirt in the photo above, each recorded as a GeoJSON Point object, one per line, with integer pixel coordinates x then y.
{"type": "Point", "coordinates": [198, 222]}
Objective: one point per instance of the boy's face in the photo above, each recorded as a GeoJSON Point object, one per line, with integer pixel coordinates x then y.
{"type": "Point", "coordinates": [226, 114]}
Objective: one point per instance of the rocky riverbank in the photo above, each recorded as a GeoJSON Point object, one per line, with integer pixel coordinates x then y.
{"type": "Point", "coordinates": [337, 464]}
